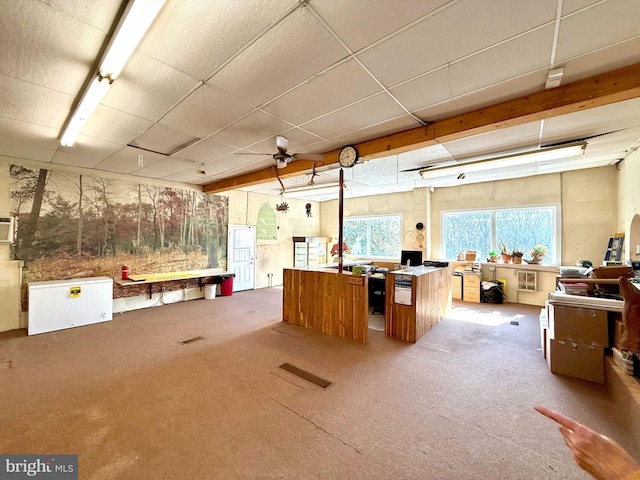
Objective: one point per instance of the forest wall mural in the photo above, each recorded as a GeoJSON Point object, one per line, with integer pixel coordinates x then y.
{"type": "Point", "coordinates": [72, 225]}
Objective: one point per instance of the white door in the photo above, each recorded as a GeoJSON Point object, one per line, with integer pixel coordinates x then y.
{"type": "Point", "coordinates": [241, 256]}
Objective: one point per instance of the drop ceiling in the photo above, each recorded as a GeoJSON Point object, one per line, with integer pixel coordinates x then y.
{"type": "Point", "coordinates": [214, 80]}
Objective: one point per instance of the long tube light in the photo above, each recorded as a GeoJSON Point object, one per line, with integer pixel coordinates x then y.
{"type": "Point", "coordinates": [318, 189]}
{"type": "Point", "coordinates": [541, 155]}
{"type": "Point", "coordinates": [134, 23]}
{"type": "Point", "coordinates": [90, 101]}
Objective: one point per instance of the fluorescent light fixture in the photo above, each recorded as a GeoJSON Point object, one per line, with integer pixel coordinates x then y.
{"type": "Point", "coordinates": [134, 23]}
{"type": "Point", "coordinates": [512, 160]}
{"type": "Point", "coordinates": [88, 104]}
{"type": "Point", "coordinates": [317, 189]}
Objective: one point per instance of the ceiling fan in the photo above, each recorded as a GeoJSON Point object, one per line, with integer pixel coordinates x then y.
{"type": "Point", "coordinates": [283, 158]}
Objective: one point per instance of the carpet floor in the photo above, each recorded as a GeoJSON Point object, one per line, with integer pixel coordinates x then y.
{"type": "Point", "coordinates": [135, 402]}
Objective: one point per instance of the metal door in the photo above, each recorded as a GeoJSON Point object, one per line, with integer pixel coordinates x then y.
{"type": "Point", "coordinates": [241, 256]}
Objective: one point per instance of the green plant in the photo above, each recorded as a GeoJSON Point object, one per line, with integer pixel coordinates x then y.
{"type": "Point", "coordinates": [539, 250]}
{"type": "Point", "coordinates": [502, 245]}
{"type": "Point", "coordinates": [517, 253]}
{"type": "Point", "coordinates": [493, 253]}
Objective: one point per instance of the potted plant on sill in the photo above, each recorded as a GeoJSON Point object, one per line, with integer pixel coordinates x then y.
{"type": "Point", "coordinates": [493, 256]}
{"type": "Point", "coordinates": [537, 254]}
{"type": "Point", "coordinates": [517, 255]}
{"type": "Point", "coordinates": [504, 252]}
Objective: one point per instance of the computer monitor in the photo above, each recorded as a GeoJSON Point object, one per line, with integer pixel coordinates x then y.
{"type": "Point", "coordinates": [414, 257]}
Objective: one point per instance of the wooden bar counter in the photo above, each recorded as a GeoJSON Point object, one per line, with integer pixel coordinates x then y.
{"type": "Point", "coordinates": [429, 297]}
{"type": "Point", "coordinates": [327, 301]}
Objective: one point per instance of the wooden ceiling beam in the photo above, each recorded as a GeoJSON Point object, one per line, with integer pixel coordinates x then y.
{"type": "Point", "coordinates": [599, 90]}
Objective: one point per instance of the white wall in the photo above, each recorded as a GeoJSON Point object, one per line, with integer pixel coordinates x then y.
{"type": "Point", "coordinates": [629, 203]}
{"type": "Point", "coordinates": [273, 255]}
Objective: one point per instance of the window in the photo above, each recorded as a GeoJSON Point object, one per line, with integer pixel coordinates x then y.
{"type": "Point", "coordinates": [483, 230]}
{"type": "Point", "coordinates": [374, 236]}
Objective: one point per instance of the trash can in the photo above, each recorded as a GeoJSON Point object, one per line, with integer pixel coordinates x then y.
{"type": "Point", "coordinates": [226, 287]}
{"type": "Point", "coordinates": [210, 291]}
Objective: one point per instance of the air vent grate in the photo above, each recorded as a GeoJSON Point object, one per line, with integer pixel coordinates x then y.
{"type": "Point", "coordinates": [309, 377]}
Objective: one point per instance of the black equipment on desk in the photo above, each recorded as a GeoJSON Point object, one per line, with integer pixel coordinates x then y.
{"type": "Point", "coordinates": [413, 256]}
{"type": "Point", "coordinates": [435, 263]}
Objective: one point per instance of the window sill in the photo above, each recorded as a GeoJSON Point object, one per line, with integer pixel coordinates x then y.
{"type": "Point", "coordinates": [541, 267]}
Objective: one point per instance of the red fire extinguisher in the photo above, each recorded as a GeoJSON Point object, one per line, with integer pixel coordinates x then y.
{"type": "Point", "coordinates": [125, 272]}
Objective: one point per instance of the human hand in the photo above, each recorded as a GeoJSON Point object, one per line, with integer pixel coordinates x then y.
{"type": "Point", "coordinates": [603, 458]}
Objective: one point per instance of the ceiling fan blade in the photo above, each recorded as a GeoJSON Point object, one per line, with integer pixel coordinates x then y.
{"type": "Point", "coordinates": [282, 144]}
{"type": "Point", "coordinates": [251, 153]}
{"type": "Point", "coordinates": [308, 156]}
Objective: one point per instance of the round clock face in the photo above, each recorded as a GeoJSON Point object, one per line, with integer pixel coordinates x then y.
{"type": "Point", "coordinates": [348, 156]}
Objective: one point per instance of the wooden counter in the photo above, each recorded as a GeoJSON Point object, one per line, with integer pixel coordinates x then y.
{"type": "Point", "coordinates": [327, 301]}
{"type": "Point", "coordinates": [430, 301]}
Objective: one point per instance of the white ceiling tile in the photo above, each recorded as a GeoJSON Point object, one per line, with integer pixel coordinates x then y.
{"type": "Point", "coordinates": [204, 151]}
{"type": "Point", "coordinates": [205, 111]}
{"type": "Point", "coordinates": [74, 159]}
{"type": "Point", "coordinates": [92, 147]}
{"type": "Point", "coordinates": [40, 44]}
{"type": "Point", "coordinates": [369, 132]}
{"type": "Point", "coordinates": [123, 161]}
{"type": "Point", "coordinates": [115, 126]}
{"type": "Point", "coordinates": [340, 86]}
{"type": "Point", "coordinates": [28, 152]}
{"type": "Point", "coordinates": [570, 6]}
{"type": "Point", "coordinates": [173, 165]}
{"type": "Point", "coordinates": [388, 17]}
{"type": "Point", "coordinates": [100, 14]}
{"type": "Point", "coordinates": [234, 162]}
{"type": "Point", "coordinates": [376, 109]}
{"type": "Point", "coordinates": [596, 27]}
{"type": "Point", "coordinates": [377, 172]}
{"type": "Point", "coordinates": [519, 56]}
{"type": "Point", "coordinates": [148, 88]}
{"type": "Point", "coordinates": [28, 102]}
{"type": "Point", "coordinates": [497, 93]}
{"type": "Point", "coordinates": [24, 133]}
{"type": "Point", "coordinates": [162, 139]}
{"type": "Point", "coordinates": [291, 52]}
{"type": "Point", "coordinates": [604, 60]}
{"type": "Point", "coordinates": [251, 129]}
{"type": "Point", "coordinates": [205, 34]}
{"type": "Point", "coordinates": [463, 28]}
{"type": "Point", "coordinates": [502, 140]}
{"type": "Point", "coordinates": [150, 172]}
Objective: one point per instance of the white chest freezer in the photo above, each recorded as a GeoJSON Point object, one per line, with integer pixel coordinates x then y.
{"type": "Point", "coordinates": [59, 304]}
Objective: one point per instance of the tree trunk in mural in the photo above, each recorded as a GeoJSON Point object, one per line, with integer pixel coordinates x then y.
{"type": "Point", "coordinates": [79, 238]}
{"type": "Point", "coordinates": [32, 226]}
{"type": "Point", "coordinates": [213, 234]}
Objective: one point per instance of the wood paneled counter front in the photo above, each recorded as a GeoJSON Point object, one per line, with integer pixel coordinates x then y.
{"type": "Point", "coordinates": [338, 304]}
{"type": "Point", "coordinates": [327, 301]}
{"type": "Point", "coordinates": [429, 297]}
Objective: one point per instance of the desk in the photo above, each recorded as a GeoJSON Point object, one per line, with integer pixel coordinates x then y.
{"type": "Point", "coordinates": [430, 299]}
{"type": "Point", "coordinates": [181, 279]}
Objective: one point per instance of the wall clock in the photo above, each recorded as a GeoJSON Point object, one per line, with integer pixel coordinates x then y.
{"type": "Point", "coordinates": [348, 156]}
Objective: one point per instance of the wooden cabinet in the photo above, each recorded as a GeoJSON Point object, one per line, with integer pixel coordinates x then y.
{"type": "Point", "coordinates": [456, 287]}
{"type": "Point", "coordinates": [471, 287]}
{"type": "Point", "coordinates": [310, 251]}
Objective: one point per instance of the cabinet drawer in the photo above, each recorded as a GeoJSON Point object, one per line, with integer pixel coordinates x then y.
{"type": "Point", "coordinates": [456, 293]}
{"type": "Point", "coordinates": [471, 281]}
{"type": "Point", "coordinates": [471, 294]}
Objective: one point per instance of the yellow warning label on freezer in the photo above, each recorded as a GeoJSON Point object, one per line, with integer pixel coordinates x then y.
{"type": "Point", "coordinates": [74, 292]}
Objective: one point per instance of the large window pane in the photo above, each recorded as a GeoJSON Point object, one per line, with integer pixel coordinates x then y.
{"type": "Point", "coordinates": [484, 230]}
{"type": "Point", "coordinates": [373, 236]}
{"type": "Point", "coordinates": [467, 231]}
{"type": "Point", "coordinates": [523, 229]}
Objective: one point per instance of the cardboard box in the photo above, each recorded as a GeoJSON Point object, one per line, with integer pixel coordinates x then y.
{"type": "Point", "coordinates": [576, 360]}
{"type": "Point", "coordinates": [579, 325]}
{"type": "Point", "coordinates": [544, 325]}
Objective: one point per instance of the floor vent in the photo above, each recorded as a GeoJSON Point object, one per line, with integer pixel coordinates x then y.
{"type": "Point", "coordinates": [191, 340]}
{"type": "Point", "coordinates": [309, 377]}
